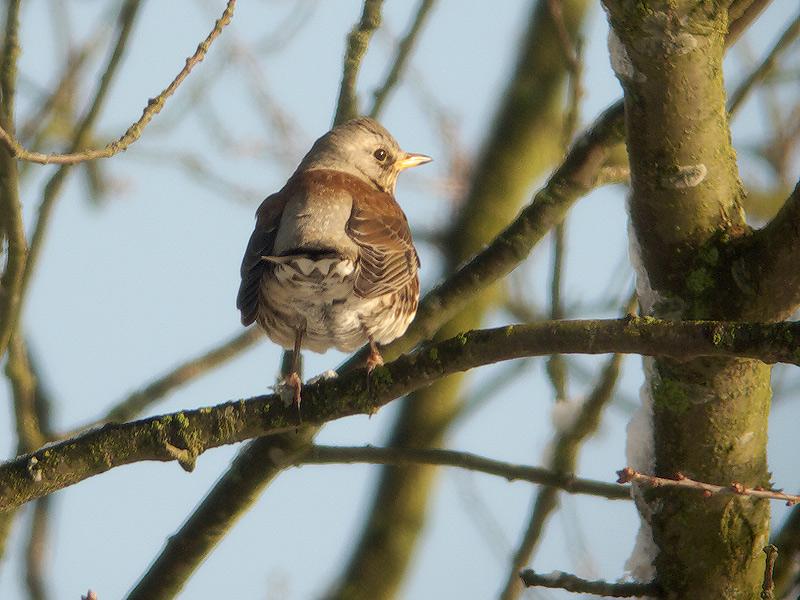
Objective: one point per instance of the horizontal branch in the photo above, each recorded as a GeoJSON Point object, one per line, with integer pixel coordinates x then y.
{"type": "Point", "coordinates": [134, 132]}
{"type": "Point", "coordinates": [323, 455]}
{"type": "Point", "coordinates": [571, 583]}
{"type": "Point", "coordinates": [628, 475]}
{"type": "Point", "coordinates": [184, 435]}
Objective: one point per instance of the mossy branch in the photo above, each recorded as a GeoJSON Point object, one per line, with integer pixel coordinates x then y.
{"type": "Point", "coordinates": [357, 44]}
{"type": "Point", "coordinates": [192, 432]}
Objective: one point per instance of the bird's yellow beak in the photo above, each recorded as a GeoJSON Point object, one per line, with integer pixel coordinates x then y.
{"type": "Point", "coordinates": [408, 160]}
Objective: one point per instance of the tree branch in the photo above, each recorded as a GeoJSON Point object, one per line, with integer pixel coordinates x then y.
{"type": "Point", "coordinates": [404, 49]}
{"type": "Point", "coordinates": [11, 225]}
{"type": "Point", "coordinates": [571, 583]}
{"type": "Point", "coordinates": [628, 475]}
{"type": "Point", "coordinates": [251, 471]}
{"type": "Point", "coordinates": [768, 266]}
{"type": "Point", "coordinates": [758, 74]}
{"type": "Point", "coordinates": [323, 455]}
{"type": "Point", "coordinates": [185, 435]}
{"type": "Point", "coordinates": [134, 132]}
{"type": "Point", "coordinates": [357, 43]}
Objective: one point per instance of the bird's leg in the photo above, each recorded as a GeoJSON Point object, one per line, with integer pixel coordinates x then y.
{"type": "Point", "coordinates": [293, 378]}
{"type": "Point", "coordinates": [373, 360]}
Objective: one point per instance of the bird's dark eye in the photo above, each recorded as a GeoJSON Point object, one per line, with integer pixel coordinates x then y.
{"type": "Point", "coordinates": [380, 154]}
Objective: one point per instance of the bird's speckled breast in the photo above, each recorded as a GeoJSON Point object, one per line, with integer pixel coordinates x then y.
{"type": "Point", "coordinates": [317, 295]}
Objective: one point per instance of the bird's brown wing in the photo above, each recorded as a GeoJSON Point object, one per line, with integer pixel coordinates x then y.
{"type": "Point", "coordinates": [387, 259]}
{"type": "Point", "coordinates": [262, 240]}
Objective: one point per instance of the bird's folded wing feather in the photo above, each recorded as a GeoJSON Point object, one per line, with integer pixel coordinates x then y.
{"type": "Point", "coordinates": [262, 241]}
{"type": "Point", "coordinates": [387, 259]}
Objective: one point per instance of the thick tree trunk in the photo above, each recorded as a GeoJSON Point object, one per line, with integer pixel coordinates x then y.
{"type": "Point", "coordinates": [709, 416]}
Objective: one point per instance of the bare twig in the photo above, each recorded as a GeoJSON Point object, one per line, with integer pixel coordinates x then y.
{"type": "Point", "coordinates": [133, 132]}
{"type": "Point", "coordinates": [404, 49]}
{"type": "Point", "coordinates": [768, 587]}
{"type": "Point", "coordinates": [571, 583]}
{"type": "Point", "coordinates": [464, 460]}
{"type": "Point", "coordinates": [741, 14]}
{"type": "Point", "coordinates": [628, 475]}
{"type": "Point", "coordinates": [357, 42]}
{"type": "Point", "coordinates": [763, 70]}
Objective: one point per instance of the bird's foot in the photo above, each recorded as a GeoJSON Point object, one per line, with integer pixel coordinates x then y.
{"type": "Point", "coordinates": [373, 360]}
{"type": "Point", "coordinates": [294, 382]}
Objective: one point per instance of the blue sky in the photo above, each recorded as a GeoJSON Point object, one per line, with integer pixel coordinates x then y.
{"type": "Point", "coordinates": [126, 290]}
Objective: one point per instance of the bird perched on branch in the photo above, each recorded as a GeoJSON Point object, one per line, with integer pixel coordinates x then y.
{"type": "Point", "coordinates": [331, 262]}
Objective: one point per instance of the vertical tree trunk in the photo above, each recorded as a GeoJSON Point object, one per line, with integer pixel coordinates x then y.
{"type": "Point", "coordinates": [709, 416]}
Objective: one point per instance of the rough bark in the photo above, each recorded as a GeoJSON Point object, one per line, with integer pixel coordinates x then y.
{"type": "Point", "coordinates": [709, 415]}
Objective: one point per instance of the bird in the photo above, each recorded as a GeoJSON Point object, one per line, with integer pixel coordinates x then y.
{"type": "Point", "coordinates": [331, 262]}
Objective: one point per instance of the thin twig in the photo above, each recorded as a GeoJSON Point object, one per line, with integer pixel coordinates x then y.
{"type": "Point", "coordinates": [763, 70]}
{"type": "Point", "coordinates": [404, 49]}
{"type": "Point", "coordinates": [464, 460]}
{"type": "Point", "coordinates": [357, 43]}
{"type": "Point", "coordinates": [628, 475]}
{"type": "Point", "coordinates": [572, 583]}
{"type": "Point", "coordinates": [134, 132]}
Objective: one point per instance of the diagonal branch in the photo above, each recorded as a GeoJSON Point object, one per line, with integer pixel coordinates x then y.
{"type": "Point", "coordinates": [184, 435]}
{"type": "Point", "coordinates": [768, 267]}
{"type": "Point", "coordinates": [134, 132]}
{"type": "Point", "coordinates": [404, 49]}
{"type": "Point", "coordinates": [761, 72]}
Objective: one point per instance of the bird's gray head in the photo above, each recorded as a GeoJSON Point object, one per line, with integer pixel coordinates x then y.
{"type": "Point", "coordinates": [363, 148]}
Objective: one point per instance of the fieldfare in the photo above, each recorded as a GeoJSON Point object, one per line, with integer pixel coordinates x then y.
{"type": "Point", "coordinates": [331, 262]}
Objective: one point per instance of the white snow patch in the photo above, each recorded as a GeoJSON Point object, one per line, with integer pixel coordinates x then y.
{"type": "Point", "coordinates": [620, 61]}
{"type": "Point", "coordinates": [639, 452]}
{"type": "Point", "coordinates": [329, 374]}
{"type": "Point", "coordinates": [686, 176]}
{"type": "Point", "coordinates": [648, 297]}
